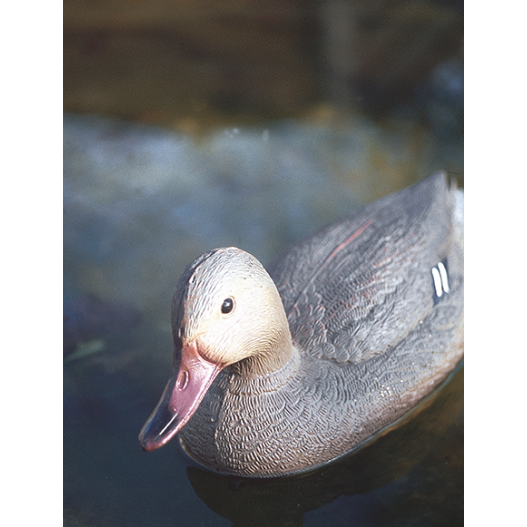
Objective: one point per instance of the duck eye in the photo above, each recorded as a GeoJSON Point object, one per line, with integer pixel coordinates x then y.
{"type": "Point", "coordinates": [227, 306]}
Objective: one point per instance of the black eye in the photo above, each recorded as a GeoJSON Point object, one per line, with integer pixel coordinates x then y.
{"type": "Point", "coordinates": [227, 306]}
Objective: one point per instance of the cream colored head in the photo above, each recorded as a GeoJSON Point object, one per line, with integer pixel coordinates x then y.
{"type": "Point", "coordinates": [227, 304]}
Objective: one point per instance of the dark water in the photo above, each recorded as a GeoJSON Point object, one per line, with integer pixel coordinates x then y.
{"type": "Point", "coordinates": [140, 203]}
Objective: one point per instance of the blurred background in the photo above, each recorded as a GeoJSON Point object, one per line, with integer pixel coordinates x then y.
{"type": "Point", "coordinates": [193, 63]}
{"type": "Point", "coordinates": [190, 125]}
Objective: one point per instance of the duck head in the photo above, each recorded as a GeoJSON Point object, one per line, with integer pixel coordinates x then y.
{"type": "Point", "coordinates": [226, 311]}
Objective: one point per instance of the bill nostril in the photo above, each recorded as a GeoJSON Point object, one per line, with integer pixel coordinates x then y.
{"type": "Point", "coordinates": [182, 380]}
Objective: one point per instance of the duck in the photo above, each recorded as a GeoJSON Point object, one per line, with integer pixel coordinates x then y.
{"type": "Point", "coordinates": [283, 370]}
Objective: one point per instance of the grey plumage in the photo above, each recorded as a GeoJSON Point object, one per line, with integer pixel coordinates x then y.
{"type": "Point", "coordinates": [369, 338]}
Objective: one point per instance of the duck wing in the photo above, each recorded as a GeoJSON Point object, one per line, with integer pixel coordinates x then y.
{"type": "Point", "coordinates": [366, 282]}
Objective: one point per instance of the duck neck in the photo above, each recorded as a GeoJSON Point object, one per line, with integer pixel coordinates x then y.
{"type": "Point", "coordinates": [268, 361]}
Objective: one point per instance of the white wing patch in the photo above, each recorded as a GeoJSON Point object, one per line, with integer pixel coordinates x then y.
{"type": "Point", "coordinates": [440, 279]}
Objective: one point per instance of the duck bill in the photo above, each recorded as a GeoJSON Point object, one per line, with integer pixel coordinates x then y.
{"type": "Point", "coordinates": [184, 391]}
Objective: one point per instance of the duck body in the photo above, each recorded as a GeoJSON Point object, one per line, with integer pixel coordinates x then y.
{"type": "Point", "coordinates": [371, 323]}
